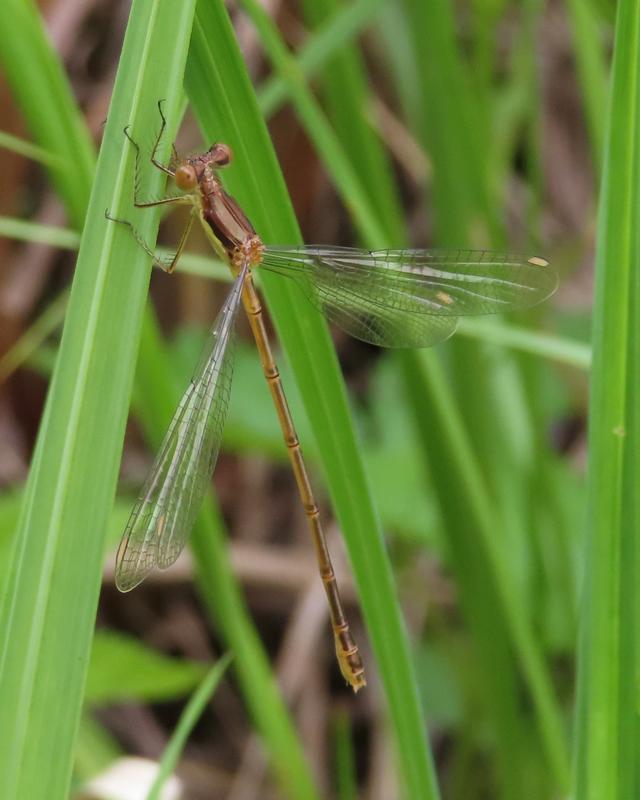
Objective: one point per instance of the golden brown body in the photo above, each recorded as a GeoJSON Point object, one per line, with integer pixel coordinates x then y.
{"type": "Point", "coordinates": [235, 239]}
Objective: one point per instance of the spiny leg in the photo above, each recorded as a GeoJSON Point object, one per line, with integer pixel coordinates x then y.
{"type": "Point", "coordinates": [137, 171]}
{"type": "Point", "coordinates": [136, 176]}
{"type": "Point", "coordinates": [181, 244]}
{"type": "Point", "coordinates": [174, 154]}
{"type": "Point", "coordinates": [167, 264]}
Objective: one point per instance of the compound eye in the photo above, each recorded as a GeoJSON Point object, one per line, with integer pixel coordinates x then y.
{"type": "Point", "coordinates": [186, 177]}
{"type": "Point", "coordinates": [221, 154]}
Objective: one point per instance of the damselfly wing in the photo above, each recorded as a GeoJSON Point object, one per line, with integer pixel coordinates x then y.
{"type": "Point", "coordinates": [391, 298]}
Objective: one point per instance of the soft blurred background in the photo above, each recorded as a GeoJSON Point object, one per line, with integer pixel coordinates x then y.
{"type": "Point", "coordinates": [487, 133]}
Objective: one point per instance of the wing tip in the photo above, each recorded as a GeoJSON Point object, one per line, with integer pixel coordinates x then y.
{"type": "Point", "coordinates": [551, 278]}
{"type": "Point", "coordinates": [125, 583]}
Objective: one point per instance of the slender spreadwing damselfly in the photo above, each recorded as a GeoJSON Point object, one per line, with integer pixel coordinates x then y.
{"type": "Point", "coordinates": [391, 298]}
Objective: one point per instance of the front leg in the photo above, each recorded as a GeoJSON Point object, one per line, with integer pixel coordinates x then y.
{"type": "Point", "coordinates": [138, 203]}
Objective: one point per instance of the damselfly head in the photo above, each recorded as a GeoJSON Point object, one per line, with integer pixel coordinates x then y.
{"type": "Point", "coordinates": [186, 177]}
{"type": "Point", "coordinates": [193, 170]}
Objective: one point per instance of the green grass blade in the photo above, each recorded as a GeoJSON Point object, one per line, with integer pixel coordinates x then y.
{"type": "Point", "coordinates": [194, 264]}
{"type": "Point", "coordinates": [553, 348]}
{"type": "Point", "coordinates": [350, 105]}
{"type": "Point", "coordinates": [122, 669]}
{"type": "Point", "coordinates": [608, 723]}
{"type": "Point", "coordinates": [346, 781]}
{"type": "Point", "coordinates": [455, 133]}
{"type": "Point", "coordinates": [492, 420]}
{"type": "Point", "coordinates": [344, 25]}
{"type": "Point", "coordinates": [47, 618]}
{"type": "Point", "coordinates": [186, 724]}
{"type": "Point", "coordinates": [50, 319]}
{"type": "Point", "coordinates": [365, 215]}
{"type": "Point", "coordinates": [592, 71]}
{"type": "Point", "coordinates": [27, 231]}
{"type": "Point", "coordinates": [28, 150]}
{"type": "Point", "coordinates": [36, 76]}
{"type": "Point", "coordinates": [488, 592]}
{"type": "Point", "coordinates": [224, 103]}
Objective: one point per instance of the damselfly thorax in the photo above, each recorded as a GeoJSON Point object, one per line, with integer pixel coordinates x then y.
{"type": "Point", "coordinates": [230, 230]}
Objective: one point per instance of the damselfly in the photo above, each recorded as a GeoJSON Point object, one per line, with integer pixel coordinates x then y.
{"type": "Point", "coordinates": [391, 298]}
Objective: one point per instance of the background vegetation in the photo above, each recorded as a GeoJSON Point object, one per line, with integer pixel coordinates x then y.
{"type": "Point", "coordinates": [495, 577]}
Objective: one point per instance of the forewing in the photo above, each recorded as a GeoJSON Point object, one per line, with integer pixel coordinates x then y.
{"type": "Point", "coordinates": [165, 512]}
{"type": "Point", "coordinates": [411, 298]}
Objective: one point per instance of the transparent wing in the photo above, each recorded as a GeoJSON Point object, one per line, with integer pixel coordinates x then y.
{"type": "Point", "coordinates": [411, 298]}
{"type": "Point", "coordinates": [165, 512]}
